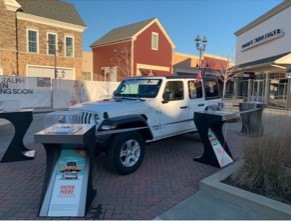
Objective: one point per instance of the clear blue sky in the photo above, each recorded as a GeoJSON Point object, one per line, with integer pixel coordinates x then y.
{"type": "Point", "coordinates": [183, 20]}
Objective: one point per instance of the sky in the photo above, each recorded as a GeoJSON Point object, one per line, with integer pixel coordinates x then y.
{"type": "Point", "coordinates": [183, 20]}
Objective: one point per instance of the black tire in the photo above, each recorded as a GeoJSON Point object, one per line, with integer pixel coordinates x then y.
{"type": "Point", "coordinates": [125, 152]}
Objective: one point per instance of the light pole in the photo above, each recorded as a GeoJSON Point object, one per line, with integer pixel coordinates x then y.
{"type": "Point", "coordinates": [56, 48]}
{"type": "Point", "coordinates": [201, 50]}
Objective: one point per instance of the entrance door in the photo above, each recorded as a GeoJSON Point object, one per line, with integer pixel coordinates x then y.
{"type": "Point", "coordinates": [258, 90]}
{"type": "Point", "coordinates": [278, 93]}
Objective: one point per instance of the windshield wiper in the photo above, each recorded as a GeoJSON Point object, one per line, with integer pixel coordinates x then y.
{"type": "Point", "coordinates": [138, 97]}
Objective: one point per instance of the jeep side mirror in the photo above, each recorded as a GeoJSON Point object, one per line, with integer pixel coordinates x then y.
{"type": "Point", "coordinates": [166, 97]}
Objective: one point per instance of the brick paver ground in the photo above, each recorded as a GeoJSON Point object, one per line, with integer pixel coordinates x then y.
{"type": "Point", "coordinates": [167, 176]}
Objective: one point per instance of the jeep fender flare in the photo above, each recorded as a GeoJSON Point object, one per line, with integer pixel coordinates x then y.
{"type": "Point", "coordinates": [127, 123]}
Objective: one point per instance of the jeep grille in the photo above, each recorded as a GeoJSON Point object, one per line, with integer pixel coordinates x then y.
{"type": "Point", "coordinates": [83, 118]}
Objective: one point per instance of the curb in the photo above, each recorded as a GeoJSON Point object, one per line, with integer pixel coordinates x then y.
{"type": "Point", "coordinates": [242, 198]}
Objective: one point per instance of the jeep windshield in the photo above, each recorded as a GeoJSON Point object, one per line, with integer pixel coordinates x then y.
{"type": "Point", "coordinates": [138, 88]}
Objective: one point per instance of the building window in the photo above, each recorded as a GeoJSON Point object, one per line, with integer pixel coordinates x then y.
{"type": "Point", "coordinates": [69, 46]}
{"type": "Point", "coordinates": [86, 76]}
{"type": "Point", "coordinates": [52, 40]}
{"type": "Point", "coordinates": [32, 41]}
{"type": "Point", "coordinates": [155, 41]}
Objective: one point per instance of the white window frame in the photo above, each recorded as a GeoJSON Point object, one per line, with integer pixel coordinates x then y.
{"type": "Point", "coordinates": [155, 41]}
{"type": "Point", "coordinates": [37, 40]}
{"type": "Point", "coordinates": [66, 47]}
{"type": "Point", "coordinates": [55, 43]}
{"type": "Point", "coordinates": [86, 75]}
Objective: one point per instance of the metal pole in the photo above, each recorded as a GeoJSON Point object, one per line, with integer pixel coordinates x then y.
{"type": "Point", "coordinates": [55, 64]}
{"type": "Point", "coordinates": [201, 49]}
{"type": "Point", "coordinates": [201, 61]}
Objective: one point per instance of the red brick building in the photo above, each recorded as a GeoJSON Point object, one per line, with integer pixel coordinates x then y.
{"type": "Point", "coordinates": [145, 48]}
{"type": "Point", "coordinates": [40, 38]}
{"type": "Point", "coordinates": [137, 49]}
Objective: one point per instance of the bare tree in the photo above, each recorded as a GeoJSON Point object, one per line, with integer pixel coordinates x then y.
{"type": "Point", "coordinates": [226, 75]}
{"type": "Point", "coordinates": [222, 70]}
{"type": "Point", "coordinates": [121, 60]}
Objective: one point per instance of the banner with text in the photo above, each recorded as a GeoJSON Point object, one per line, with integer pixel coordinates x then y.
{"type": "Point", "coordinates": [70, 186]}
{"type": "Point", "coordinates": [30, 92]}
{"type": "Point", "coordinates": [71, 92]}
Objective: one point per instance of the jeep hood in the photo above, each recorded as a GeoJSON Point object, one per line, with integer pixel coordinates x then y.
{"type": "Point", "coordinates": [114, 107]}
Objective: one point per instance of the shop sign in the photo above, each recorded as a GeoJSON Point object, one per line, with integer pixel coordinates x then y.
{"type": "Point", "coordinates": [262, 39]}
{"type": "Point", "coordinates": [249, 75]}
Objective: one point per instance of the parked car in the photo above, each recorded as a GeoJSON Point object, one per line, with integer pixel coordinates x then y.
{"type": "Point", "coordinates": [144, 110]}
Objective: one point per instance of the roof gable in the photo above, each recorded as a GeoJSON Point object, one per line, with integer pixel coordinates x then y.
{"type": "Point", "coordinates": [161, 28]}
{"type": "Point", "coordinates": [128, 32]}
{"type": "Point", "coordinates": [52, 9]}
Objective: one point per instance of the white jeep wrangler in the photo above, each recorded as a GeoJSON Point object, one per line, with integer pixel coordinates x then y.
{"type": "Point", "coordinates": [143, 110]}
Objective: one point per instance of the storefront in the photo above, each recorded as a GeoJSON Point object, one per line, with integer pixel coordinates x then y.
{"type": "Point", "coordinates": [263, 58]}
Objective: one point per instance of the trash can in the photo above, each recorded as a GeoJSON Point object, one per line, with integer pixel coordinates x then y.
{"type": "Point", "coordinates": [251, 117]}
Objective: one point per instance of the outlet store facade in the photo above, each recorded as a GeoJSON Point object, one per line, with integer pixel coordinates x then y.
{"type": "Point", "coordinates": [263, 59]}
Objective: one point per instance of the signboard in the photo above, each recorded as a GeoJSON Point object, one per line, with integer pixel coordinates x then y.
{"type": "Point", "coordinates": [30, 92]}
{"type": "Point", "coordinates": [248, 75]}
{"type": "Point", "coordinates": [222, 157]}
{"type": "Point", "coordinates": [67, 197]}
{"type": "Point", "coordinates": [71, 92]}
{"type": "Point", "coordinates": [271, 35]}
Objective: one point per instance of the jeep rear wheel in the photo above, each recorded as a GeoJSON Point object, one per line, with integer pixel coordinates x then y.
{"type": "Point", "coordinates": [126, 152]}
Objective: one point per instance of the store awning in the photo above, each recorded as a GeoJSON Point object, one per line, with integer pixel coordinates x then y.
{"type": "Point", "coordinates": [284, 61]}
{"type": "Point", "coordinates": [278, 63]}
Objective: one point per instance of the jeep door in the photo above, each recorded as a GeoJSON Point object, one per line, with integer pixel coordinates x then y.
{"type": "Point", "coordinates": [196, 99]}
{"type": "Point", "coordinates": [173, 109]}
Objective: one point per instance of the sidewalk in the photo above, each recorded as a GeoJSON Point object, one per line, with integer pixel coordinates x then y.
{"type": "Point", "coordinates": [203, 206]}
{"type": "Point", "coordinates": [218, 201]}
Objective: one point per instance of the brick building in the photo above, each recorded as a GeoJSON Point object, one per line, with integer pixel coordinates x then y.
{"type": "Point", "coordinates": [185, 64]}
{"type": "Point", "coordinates": [40, 38]}
{"type": "Point", "coordinates": [133, 50]}
{"type": "Point", "coordinates": [144, 48]}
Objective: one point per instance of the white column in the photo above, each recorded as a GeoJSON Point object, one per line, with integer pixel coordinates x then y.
{"type": "Point", "coordinates": [267, 88]}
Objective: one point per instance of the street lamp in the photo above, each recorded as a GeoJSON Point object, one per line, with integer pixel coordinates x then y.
{"type": "Point", "coordinates": [201, 50]}
{"type": "Point", "coordinates": [56, 48]}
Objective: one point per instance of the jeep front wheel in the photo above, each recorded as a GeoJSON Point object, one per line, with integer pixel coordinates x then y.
{"type": "Point", "coordinates": [125, 152]}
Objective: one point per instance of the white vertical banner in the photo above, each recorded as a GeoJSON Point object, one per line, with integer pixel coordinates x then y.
{"type": "Point", "coordinates": [30, 92]}
{"type": "Point", "coordinates": [222, 157]}
{"type": "Point", "coordinates": [71, 92]}
{"type": "Point", "coordinates": [70, 187]}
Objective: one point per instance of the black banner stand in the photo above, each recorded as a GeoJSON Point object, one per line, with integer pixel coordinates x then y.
{"type": "Point", "coordinates": [16, 150]}
{"type": "Point", "coordinates": [214, 121]}
{"type": "Point", "coordinates": [81, 139]}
